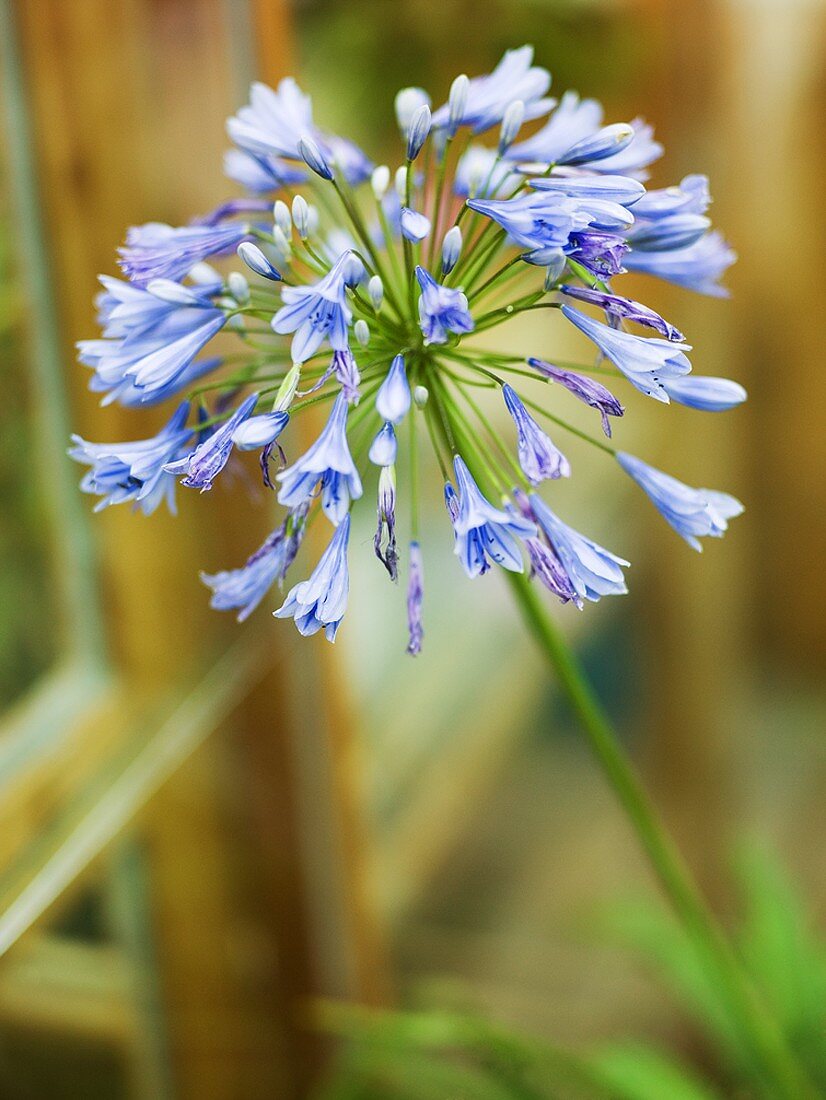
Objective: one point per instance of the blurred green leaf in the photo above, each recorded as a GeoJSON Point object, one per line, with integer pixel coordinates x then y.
{"type": "Point", "coordinates": [640, 1073]}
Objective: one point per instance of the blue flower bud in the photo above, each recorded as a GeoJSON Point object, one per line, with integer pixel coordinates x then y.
{"type": "Point", "coordinates": [301, 216]}
{"type": "Point", "coordinates": [239, 288]}
{"type": "Point", "coordinates": [281, 214]}
{"type": "Point", "coordinates": [418, 130]}
{"type": "Point", "coordinates": [512, 121]}
{"type": "Point", "coordinates": [380, 181]}
{"type": "Point", "coordinates": [407, 103]}
{"type": "Point", "coordinates": [361, 330]}
{"type": "Point", "coordinates": [375, 288]}
{"type": "Point", "coordinates": [457, 103]}
{"type": "Point", "coordinates": [313, 157]}
{"type": "Point", "coordinates": [451, 249]}
{"type": "Point", "coordinates": [414, 226]}
{"type": "Point", "coordinates": [393, 398]}
{"type": "Point", "coordinates": [256, 261]}
{"type": "Point", "coordinates": [383, 448]}
{"type": "Point", "coordinates": [604, 143]}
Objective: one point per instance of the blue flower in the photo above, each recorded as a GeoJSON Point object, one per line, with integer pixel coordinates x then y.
{"type": "Point", "coordinates": [590, 391]}
{"type": "Point", "coordinates": [668, 234]}
{"type": "Point", "coordinates": [201, 466]}
{"type": "Point", "coordinates": [261, 173]}
{"type": "Point", "coordinates": [384, 541]}
{"type": "Point", "coordinates": [698, 267]}
{"type": "Point", "coordinates": [260, 431]}
{"type": "Point", "coordinates": [414, 226]}
{"type": "Point", "coordinates": [244, 588]}
{"type": "Point", "coordinates": [617, 189]}
{"type": "Point", "coordinates": [624, 309]}
{"type": "Point", "coordinates": [158, 251]}
{"type": "Point", "coordinates": [133, 471]}
{"type": "Point", "coordinates": [131, 396]}
{"type": "Point", "coordinates": [393, 397]}
{"type": "Point", "coordinates": [482, 531]}
{"type": "Point", "coordinates": [602, 254]}
{"type": "Point", "coordinates": [707, 394]}
{"type": "Point", "coordinates": [150, 340]}
{"type": "Point", "coordinates": [546, 219]}
{"type": "Point", "coordinates": [327, 461]}
{"type": "Point", "coordinates": [481, 174]}
{"type": "Point", "coordinates": [322, 600]}
{"type": "Point", "coordinates": [693, 513]}
{"type": "Point", "coordinates": [488, 97]}
{"type": "Point", "coordinates": [415, 596]}
{"type": "Point", "coordinates": [441, 309]}
{"type": "Point", "coordinates": [274, 122]}
{"type": "Point", "coordinates": [383, 448]}
{"type": "Point", "coordinates": [690, 197]}
{"type": "Point", "coordinates": [317, 312]}
{"type": "Point", "coordinates": [571, 122]}
{"type": "Point", "coordinates": [592, 570]}
{"type": "Point", "coordinates": [646, 363]}
{"type": "Point", "coordinates": [538, 456]}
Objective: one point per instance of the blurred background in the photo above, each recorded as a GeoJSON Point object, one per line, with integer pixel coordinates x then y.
{"type": "Point", "coordinates": [205, 829]}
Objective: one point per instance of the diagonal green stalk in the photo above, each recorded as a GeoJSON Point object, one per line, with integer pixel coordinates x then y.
{"type": "Point", "coordinates": [757, 1025]}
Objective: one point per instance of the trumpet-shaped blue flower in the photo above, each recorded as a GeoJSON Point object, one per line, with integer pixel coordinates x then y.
{"type": "Point", "coordinates": [260, 431]}
{"type": "Point", "coordinates": [329, 462]}
{"type": "Point", "coordinates": [706, 394]}
{"type": "Point", "coordinates": [646, 363]}
{"type": "Point", "coordinates": [149, 340]}
{"type": "Point", "coordinates": [482, 531]}
{"type": "Point", "coordinates": [698, 267]}
{"type": "Point", "coordinates": [668, 234]}
{"type": "Point", "coordinates": [442, 309]}
{"type": "Point", "coordinates": [624, 309]}
{"type": "Point", "coordinates": [538, 456]}
{"type": "Point", "coordinates": [546, 219]}
{"type": "Point", "coordinates": [243, 589]}
{"type": "Point", "coordinates": [158, 251]}
{"type": "Point", "coordinates": [488, 97]}
{"type": "Point", "coordinates": [592, 570]}
{"type": "Point", "coordinates": [393, 398]}
{"type": "Point", "coordinates": [588, 390]}
{"type": "Point", "coordinates": [320, 602]}
{"type": "Point", "coordinates": [317, 313]}
{"type": "Point", "coordinates": [133, 471]}
{"type": "Point", "coordinates": [690, 197]}
{"type": "Point", "coordinates": [201, 466]}
{"type": "Point", "coordinates": [693, 513]}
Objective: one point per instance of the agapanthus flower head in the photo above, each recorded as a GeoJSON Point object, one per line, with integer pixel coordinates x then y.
{"type": "Point", "coordinates": [366, 296]}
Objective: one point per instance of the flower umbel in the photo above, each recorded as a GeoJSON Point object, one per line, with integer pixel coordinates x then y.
{"type": "Point", "coordinates": [326, 260]}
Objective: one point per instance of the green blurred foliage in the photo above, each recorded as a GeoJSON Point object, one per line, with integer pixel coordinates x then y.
{"type": "Point", "coordinates": [414, 1055]}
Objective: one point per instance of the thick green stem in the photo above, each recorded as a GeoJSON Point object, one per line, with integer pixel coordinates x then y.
{"type": "Point", "coordinates": [756, 1024]}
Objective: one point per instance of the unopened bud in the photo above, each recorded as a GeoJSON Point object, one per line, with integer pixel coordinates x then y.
{"type": "Point", "coordinates": [281, 214]}
{"type": "Point", "coordinates": [361, 330]}
{"type": "Point", "coordinates": [457, 102]}
{"type": "Point", "coordinates": [401, 182]}
{"type": "Point", "coordinates": [418, 131]}
{"type": "Point", "coordinates": [380, 181]}
{"type": "Point", "coordinates": [420, 396]}
{"type": "Point", "coordinates": [375, 288]}
{"type": "Point", "coordinates": [407, 103]}
{"type": "Point", "coordinates": [239, 288]}
{"type": "Point", "coordinates": [313, 157]}
{"type": "Point", "coordinates": [301, 216]}
{"type": "Point", "coordinates": [606, 142]}
{"type": "Point", "coordinates": [256, 261]}
{"type": "Point", "coordinates": [451, 249]}
{"type": "Point", "coordinates": [286, 391]}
